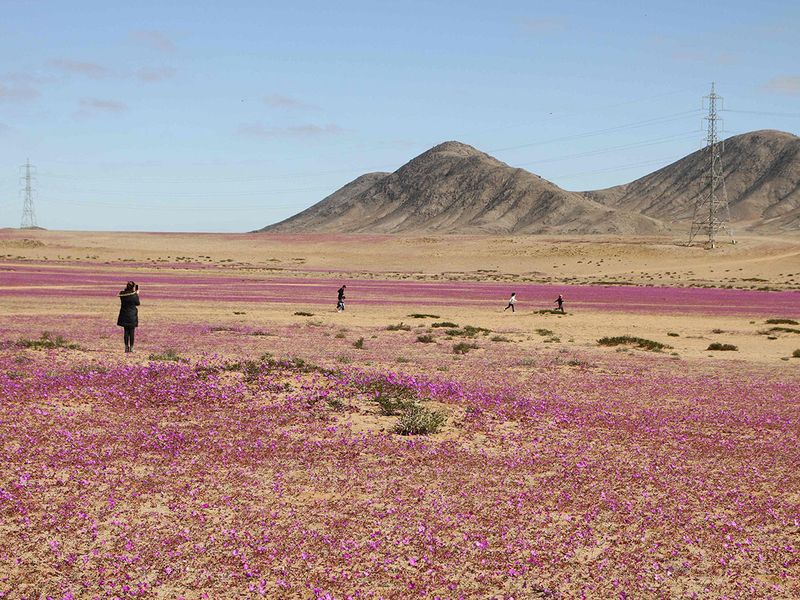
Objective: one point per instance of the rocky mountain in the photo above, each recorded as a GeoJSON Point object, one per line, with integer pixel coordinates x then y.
{"type": "Point", "coordinates": [762, 182]}
{"type": "Point", "coordinates": [454, 188]}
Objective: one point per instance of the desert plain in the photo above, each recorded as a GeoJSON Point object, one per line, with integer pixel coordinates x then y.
{"type": "Point", "coordinates": [250, 445]}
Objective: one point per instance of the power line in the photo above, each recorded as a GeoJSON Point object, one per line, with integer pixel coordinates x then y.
{"type": "Point", "coordinates": [634, 125]}
{"type": "Point", "coordinates": [608, 149]}
{"type": "Point", "coordinates": [761, 112]}
{"type": "Point", "coordinates": [620, 167]}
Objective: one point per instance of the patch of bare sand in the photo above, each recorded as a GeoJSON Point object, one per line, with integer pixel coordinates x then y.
{"type": "Point", "coordinates": [752, 262]}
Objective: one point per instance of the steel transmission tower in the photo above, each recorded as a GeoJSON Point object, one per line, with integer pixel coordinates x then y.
{"type": "Point", "coordinates": [711, 214]}
{"type": "Point", "coordinates": [28, 212]}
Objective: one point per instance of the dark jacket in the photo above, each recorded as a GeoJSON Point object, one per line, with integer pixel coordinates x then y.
{"type": "Point", "coordinates": [128, 313]}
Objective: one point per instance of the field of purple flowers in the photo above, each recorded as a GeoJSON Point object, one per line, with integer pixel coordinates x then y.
{"type": "Point", "coordinates": [236, 460]}
{"type": "Point", "coordinates": [243, 475]}
{"type": "Point", "coordinates": [44, 281]}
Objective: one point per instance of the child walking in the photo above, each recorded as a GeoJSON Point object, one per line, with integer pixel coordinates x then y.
{"type": "Point", "coordinates": [511, 302]}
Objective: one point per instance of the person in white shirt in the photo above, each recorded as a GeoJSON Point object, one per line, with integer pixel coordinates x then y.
{"type": "Point", "coordinates": [511, 302]}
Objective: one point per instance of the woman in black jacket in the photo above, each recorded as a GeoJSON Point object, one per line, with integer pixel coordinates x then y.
{"type": "Point", "coordinates": [128, 313]}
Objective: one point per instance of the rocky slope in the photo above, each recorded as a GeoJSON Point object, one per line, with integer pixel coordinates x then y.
{"type": "Point", "coordinates": [762, 182]}
{"type": "Point", "coordinates": [454, 188]}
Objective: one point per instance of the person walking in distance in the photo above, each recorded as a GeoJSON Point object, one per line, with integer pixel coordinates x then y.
{"type": "Point", "coordinates": [128, 313]}
{"type": "Point", "coordinates": [560, 302]}
{"type": "Point", "coordinates": [511, 302]}
{"type": "Point", "coordinates": [340, 301]}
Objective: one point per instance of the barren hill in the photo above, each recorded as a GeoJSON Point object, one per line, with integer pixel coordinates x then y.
{"type": "Point", "coordinates": [762, 181]}
{"type": "Point", "coordinates": [454, 188]}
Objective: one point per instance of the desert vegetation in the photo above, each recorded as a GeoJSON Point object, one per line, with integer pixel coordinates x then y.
{"type": "Point", "coordinates": [256, 455]}
{"type": "Point", "coordinates": [629, 340]}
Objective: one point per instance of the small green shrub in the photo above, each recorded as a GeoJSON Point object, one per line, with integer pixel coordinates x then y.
{"type": "Point", "coordinates": [392, 406]}
{"type": "Point", "coordinates": [673, 334]}
{"type": "Point", "coordinates": [574, 362]}
{"type": "Point", "coordinates": [302, 313]}
{"type": "Point", "coordinates": [717, 331]}
{"type": "Point", "coordinates": [634, 341]}
{"type": "Point", "coordinates": [47, 342]}
{"type": "Point", "coordinates": [335, 404]}
{"type": "Point", "coordinates": [781, 322]}
{"type": "Point", "coordinates": [796, 353]}
{"type": "Point", "coordinates": [339, 336]}
{"type": "Point", "coordinates": [718, 346]}
{"type": "Point", "coordinates": [545, 332]}
{"type": "Point", "coordinates": [472, 331]}
{"type": "Point", "coordinates": [444, 324]}
{"type": "Point", "coordinates": [423, 316]}
{"type": "Point", "coordinates": [499, 338]}
{"type": "Point", "coordinates": [468, 331]}
{"type": "Point", "coordinates": [425, 339]}
{"type": "Point", "coordinates": [418, 420]}
{"type": "Point", "coordinates": [463, 347]}
{"type": "Point", "coordinates": [169, 355]}
{"type": "Point", "coordinates": [785, 329]}
{"type": "Point", "coordinates": [359, 343]}
{"type": "Point", "coordinates": [399, 327]}
{"type": "Point", "coordinates": [251, 369]}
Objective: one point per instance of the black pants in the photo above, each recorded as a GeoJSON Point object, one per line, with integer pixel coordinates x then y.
{"type": "Point", "coordinates": [129, 334]}
{"type": "Point", "coordinates": [511, 306]}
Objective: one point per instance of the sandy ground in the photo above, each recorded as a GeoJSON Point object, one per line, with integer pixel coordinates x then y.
{"type": "Point", "coordinates": [753, 263]}
{"type": "Point", "coordinates": [527, 347]}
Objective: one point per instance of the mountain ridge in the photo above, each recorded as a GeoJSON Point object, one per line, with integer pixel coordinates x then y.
{"type": "Point", "coordinates": [456, 188]}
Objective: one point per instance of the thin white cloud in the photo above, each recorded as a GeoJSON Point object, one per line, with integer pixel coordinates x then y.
{"type": "Point", "coordinates": [306, 130]}
{"type": "Point", "coordinates": [155, 40]}
{"type": "Point", "coordinates": [96, 106]}
{"type": "Point", "coordinates": [17, 93]}
{"type": "Point", "coordinates": [153, 75]}
{"type": "Point", "coordinates": [28, 79]}
{"type": "Point", "coordinates": [4, 129]}
{"type": "Point", "coordinates": [787, 84]}
{"type": "Point", "coordinates": [288, 102]}
{"type": "Point", "coordinates": [76, 67]}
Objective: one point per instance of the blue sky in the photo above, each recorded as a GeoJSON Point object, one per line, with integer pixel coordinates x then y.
{"type": "Point", "coordinates": [211, 116]}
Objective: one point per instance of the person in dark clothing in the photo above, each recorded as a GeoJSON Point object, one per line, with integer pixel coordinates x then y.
{"type": "Point", "coordinates": [340, 301]}
{"type": "Point", "coordinates": [128, 313]}
{"type": "Point", "coordinates": [560, 302]}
